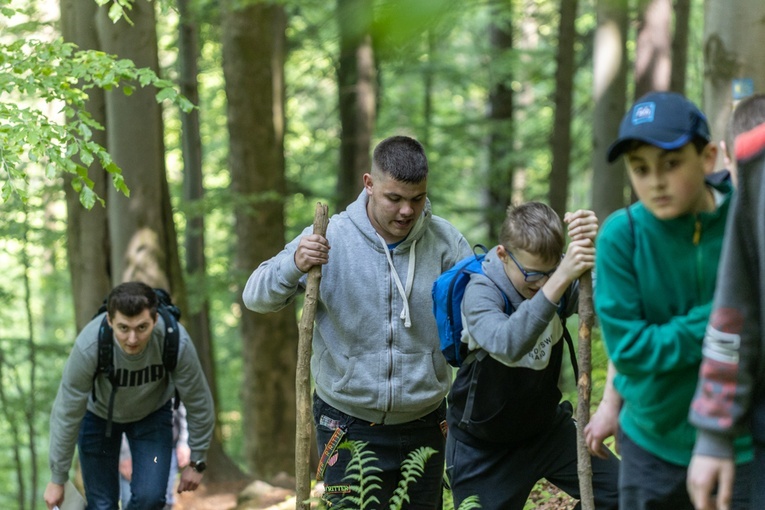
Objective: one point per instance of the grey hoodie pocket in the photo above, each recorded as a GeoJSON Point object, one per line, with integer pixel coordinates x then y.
{"type": "Point", "coordinates": [362, 383]}
{"type": "Point", "coordinates": [416, 381]}
{"type": "Point", "coordinates": [411, 384]}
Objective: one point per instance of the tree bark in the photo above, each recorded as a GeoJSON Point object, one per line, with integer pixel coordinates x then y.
{"type": "Point", "coordinates": [357, 91]}
{"type": "Point", "coordinates": [584, 387]}
{"type": "Point", "coordinates": [653, 62]}
{"type": "Point", "coordinates": [560, 143]}
{"type": "Point", "coordinates": [303, 373]}
{"type": "Point", "coordinates": [680, 46]}
{"type": "Point", "coordinates": [526, 97]}
{"type": "Point", "coordinates": [143, 241]}
{"type": "Point", "coordinates": [734, 35]}
{"type": "Point", "coordinates": [88, 250]}
{"type": "Point", "coordinates": [500, 172]}
{"type": "Point", "coordinates": [609, 186]}
{"type": "Point", "coordinates": [197, 316]}
{"type": "Point", "coordinates": [253, 66]}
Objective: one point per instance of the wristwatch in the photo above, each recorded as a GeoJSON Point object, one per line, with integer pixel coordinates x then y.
{"type": "Point", "coordinates": [199, 466]}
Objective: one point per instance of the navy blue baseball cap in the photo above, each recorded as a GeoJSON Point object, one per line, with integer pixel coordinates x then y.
{"type": "Point", "coordinates": [667, 120]}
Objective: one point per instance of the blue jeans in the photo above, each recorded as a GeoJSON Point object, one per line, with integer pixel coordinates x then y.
{"type": "Point", "coordinates": [503, 475]}
{"type": "Point", "coordinates": [151, 444]}
{"type": "Point", "coordinates": [390, 445]}
{"type": "Point", "coordinates": [650, 483]}
{"type": "Point", "coordinates": [125, 492]}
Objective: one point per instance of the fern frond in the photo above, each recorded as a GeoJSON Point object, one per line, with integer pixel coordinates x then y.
{"type": "Point", "coordinates": [470, 503]}
{"type": "Point", "coordinates": [360, 475]}
{"type": "Point", "coordinates": [411, 469]}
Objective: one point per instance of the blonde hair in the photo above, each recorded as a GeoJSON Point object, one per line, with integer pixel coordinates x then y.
{"type": "Point", "coordinates": [533, 227]}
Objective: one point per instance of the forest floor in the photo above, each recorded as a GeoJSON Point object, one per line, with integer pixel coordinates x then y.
{"type": "Point", "coordinates": [225, 496]}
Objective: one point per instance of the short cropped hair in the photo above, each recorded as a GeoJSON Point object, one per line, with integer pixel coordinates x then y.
{"type": "Point", "coordinates": [747, 115]}
{"type": "Point", "coordinates": [132, 298]}
{"type": "Point", "coordinates": [402, 158]}
{"type": "Point", "coordinates": [533, 227]}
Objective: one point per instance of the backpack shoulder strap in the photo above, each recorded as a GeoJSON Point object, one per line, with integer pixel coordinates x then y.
{"type": "Point", "coordinates": [571, 351]}
{"type": "Point", "coordinates": [172, 339]}
{"type": "Point", "coordinates": [170, 345]}
{"type": "Point", "coordinates": [567, 336]}
{"type": "Point", "coordinates": [105, 365]}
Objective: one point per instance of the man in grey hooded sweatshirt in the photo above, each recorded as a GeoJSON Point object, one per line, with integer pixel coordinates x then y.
{"type": "Point", "coordinates": [379, 373]}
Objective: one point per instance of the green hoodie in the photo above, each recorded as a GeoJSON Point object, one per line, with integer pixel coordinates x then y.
{"type": "Point", "coordinates": [656, 281]}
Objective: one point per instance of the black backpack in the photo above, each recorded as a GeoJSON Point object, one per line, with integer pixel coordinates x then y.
{"type": "Point", "coordinates": [170, 315]}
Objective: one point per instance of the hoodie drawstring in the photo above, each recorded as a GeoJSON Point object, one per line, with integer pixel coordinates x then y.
{"type": "Point", "coordinates": [404, 292]}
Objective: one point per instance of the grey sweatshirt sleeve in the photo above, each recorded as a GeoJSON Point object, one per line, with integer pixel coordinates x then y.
{"type": "Point", "coordinates": [510, 337]}
{"type": "Point", "coordinates": [70, 405]}
{"type": "Point", "coordinates": [274, 284]}
{"type": "Point", "coordinates": [192, 386]}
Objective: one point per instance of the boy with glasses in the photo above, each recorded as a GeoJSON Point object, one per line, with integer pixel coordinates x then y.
{"type": "Point", "coordinates": [507, 426]}
{"type": "Point", "coordinates": [656, 267]}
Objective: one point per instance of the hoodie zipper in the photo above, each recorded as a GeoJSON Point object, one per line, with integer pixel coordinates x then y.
{"type": "Point", "coordinates": [389, 404]}
{"type": "Point", "coordinates": [699, 255]}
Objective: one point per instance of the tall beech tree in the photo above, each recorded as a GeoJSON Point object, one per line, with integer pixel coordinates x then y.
{"type": "Point", "coordinates": [253, 66]}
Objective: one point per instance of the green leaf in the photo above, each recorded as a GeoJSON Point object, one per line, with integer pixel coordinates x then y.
{"type": "Point", "coordinates": [185, 105]}
{"type": "Point", "coordinates": [86, 156]}
{"type": "Point", "coordinates": [87, 197]}
{"type": "Point", "coordinates": [167, 93]}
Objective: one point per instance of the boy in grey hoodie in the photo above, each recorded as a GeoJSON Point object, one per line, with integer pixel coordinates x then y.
{"type": "Point", "coordinates": [379, 373]}
{"type": "Point", "coordinates": [507, 425]}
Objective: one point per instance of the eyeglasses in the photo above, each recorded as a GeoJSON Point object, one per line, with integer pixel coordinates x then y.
{"type": "Point", "coordinates": [531, 276]}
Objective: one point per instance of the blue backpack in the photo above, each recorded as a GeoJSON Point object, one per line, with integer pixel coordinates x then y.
{"type": "Point", "coordinates": [448, 291]}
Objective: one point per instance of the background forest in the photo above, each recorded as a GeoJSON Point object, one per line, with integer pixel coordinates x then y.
{"type": "Point", "coordinates": [108, 174]}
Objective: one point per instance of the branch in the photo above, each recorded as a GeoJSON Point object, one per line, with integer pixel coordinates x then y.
{"type": "Point", "coordinates": [303, 373]}
{"type": "Point", "coordinates": [584, 386]}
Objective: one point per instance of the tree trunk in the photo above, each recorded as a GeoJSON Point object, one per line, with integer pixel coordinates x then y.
{"type": "Point", "coordinates": [197, 315]}
{"type": "Point", "coordinates": [303, 373]}
{"type": "Point", "coordinates": [357, 91]}
{"type": "Point", "coordinates": [253, 66]}
{"type": "Point", "coordinates": [526, 98]}
{"type": "Point", "coordinates": [499, 185]}
{"type": "Point", "coordinates": [609, 90]}
{"type": "Point", "coordinates": [584, 390]}
{"type": "Point", "coordinates": [88, 250]}
{"type": "Point", "coordinates": [428, 82]}
{"type": "Point", "coordinates": [680, 46]}
{"type": "Point", "coordinates": [142, 234]}
{"type": "Point", "coordinates": [653, 62]}
{"type": "Point", "coordinates": [734, 35]}
{"type": "Point", "coordinates": [560, 144]}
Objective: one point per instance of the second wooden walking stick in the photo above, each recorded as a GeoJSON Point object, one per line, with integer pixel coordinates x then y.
{"type": "Point", "coordinates": [303, 374]}
{"type": "Point", "coordinates": [584, 387]}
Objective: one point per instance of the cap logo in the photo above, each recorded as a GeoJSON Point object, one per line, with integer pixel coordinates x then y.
{"type": "Point", "coordinates": [643, 112]}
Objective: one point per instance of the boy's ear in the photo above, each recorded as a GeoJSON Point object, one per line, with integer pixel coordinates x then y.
{"type": "Point", "coordinates": [709, 157]}
{"type": "Point", "coordinates": [501, 252]}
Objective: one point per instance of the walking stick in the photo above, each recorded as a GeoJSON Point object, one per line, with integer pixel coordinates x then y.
{"type": "Point", "coordinates": [303, 374]}
{"type": "Point", "coordinates": [584, 387]}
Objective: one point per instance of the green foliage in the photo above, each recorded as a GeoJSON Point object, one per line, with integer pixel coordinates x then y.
{"type": "Point", "coordinates": [36, 333]}
{"type": "Point", "coordinates": [411, 469]}
{"type": "Point", "coordinates": [361, 475]}
{"type": "Point", "coordinates": [361, 470]}
{"type": "Point", "coordinates": [37, 74]}
{"type": "Point", "coordinates": [118, 9]}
